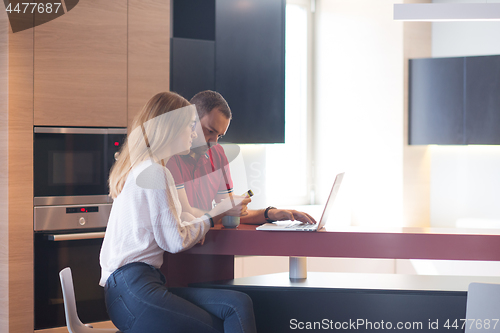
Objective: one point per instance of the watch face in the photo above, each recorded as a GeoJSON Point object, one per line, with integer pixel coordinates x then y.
{"type": "Point", "coordinates": [266, 213]}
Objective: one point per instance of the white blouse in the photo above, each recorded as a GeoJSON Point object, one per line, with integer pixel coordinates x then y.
{"type": "Point", "coordinates": [142, 226]}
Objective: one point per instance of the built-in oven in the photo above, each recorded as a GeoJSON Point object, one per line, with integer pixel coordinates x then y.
{"type": "Point", "coordinates": [71, 210]}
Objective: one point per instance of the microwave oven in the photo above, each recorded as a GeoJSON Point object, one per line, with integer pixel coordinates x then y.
{"type": "Point", "coordinates": [73, 162]}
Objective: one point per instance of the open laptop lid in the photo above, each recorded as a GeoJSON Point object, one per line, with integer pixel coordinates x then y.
{"type": "Point", "coordinates": [295, 226]}
{"type": "Point", "coordinates": [331, 200]}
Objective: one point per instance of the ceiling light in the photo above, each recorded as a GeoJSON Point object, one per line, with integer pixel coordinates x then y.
{"type": "Point", "coordinates": [447, 12]}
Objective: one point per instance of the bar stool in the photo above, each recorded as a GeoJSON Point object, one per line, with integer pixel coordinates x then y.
{"type": "Point", "coordinates": [483, 308]}
{"type": "Point", "coordinates": [73, 322]}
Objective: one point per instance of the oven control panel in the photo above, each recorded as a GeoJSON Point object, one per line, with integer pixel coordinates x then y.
{"type": "Point", "coordinates": [80, 210]}
{"type": "Point", "coordinates": [71, 217]}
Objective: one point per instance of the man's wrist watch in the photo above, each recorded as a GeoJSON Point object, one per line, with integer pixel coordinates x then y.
{"type": "Point", "coordinates": [266, 213]}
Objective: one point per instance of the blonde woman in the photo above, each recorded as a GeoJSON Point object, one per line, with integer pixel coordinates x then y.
{"type": "Point", "coordinates": [146, 220]}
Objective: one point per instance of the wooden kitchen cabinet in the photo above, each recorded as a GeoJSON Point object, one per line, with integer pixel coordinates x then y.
{"type": "Point", "coordinates": [84, 68]}
{"type": "Point", "coordinates": [148, 51]}
{"type": "Point", "coordinates": [80, 67]}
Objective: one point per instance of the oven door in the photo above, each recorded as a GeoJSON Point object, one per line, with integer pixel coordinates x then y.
{"type": "Point", "coordinates": [80, 252]}
{"type": "Point", "coordinates": [73, 161]}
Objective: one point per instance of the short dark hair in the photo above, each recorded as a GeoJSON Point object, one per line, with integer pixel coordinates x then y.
{"type": "Point", "coordinates": [208, 100]}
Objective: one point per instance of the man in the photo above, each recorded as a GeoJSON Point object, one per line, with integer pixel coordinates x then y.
{"type": "Point", "coordinates": [203, 175]}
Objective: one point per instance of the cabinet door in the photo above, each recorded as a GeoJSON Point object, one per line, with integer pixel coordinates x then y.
{"type": "Point", "coordinates": [250, 68]}
{"type": "Point", "coordinates": [193, 66]}
{"type": "Point", "coordinates": [148, 52]}
{"type": "Point", "coordinates": [194, 19]}
{"type": "Point", "coordinates": [482, 105]}
{"type": "Point", "coordinates": [436, 110]}
{"type": "Point", "coordinates": [80, 66]}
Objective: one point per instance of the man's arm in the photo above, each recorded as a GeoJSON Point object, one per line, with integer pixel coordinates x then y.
{"type": "Point", "coordinates": [275, 214]}
{"type": "Point", "coordinates": [254, 217]}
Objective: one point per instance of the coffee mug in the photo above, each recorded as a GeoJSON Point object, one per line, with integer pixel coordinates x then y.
{"type": "Point", "coordinates": [230, 221]}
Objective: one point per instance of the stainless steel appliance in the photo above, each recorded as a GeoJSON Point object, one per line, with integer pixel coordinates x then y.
{"type": "Point", "coordinates": [71, 210]}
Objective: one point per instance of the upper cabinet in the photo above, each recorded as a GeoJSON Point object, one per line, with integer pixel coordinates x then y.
{"type": "Point", "coordinates": [80, 67]}
{"type": "Point", "coordinates": [436, 101]}
{"type": "Point", "coordinates": [148, 51]}
{"type": "Point", "coordinates": [482, 105]}
{"type": "Point", "coordinates": [454, 101]}
{"type": "Point", "coordinates": [194, 68]}
{"type": "Point", "coordinates": [244, 43]}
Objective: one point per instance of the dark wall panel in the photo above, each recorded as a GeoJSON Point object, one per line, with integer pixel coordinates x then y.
{"type": "Point", "coordinates": [192, 66]}
{"type": "Point", "coordinates": [436, 110]}
{"type": "Point", "coordinates": [250, 68]}
{"type": "Point", "coordinates": [482, 107]}
{"type": "Point", "coordinates": [194, 19]}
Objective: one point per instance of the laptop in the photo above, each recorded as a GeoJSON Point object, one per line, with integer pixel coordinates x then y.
{"type": "Point", "coordinates": [299, 226]}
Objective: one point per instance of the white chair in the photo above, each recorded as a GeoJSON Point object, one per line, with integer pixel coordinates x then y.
{"type": "Point", "coordinates": [72, 321]}
{"type": "Point", "coordinates": [483, 308]}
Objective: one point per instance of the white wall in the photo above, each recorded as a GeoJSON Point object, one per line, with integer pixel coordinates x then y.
{"type": "Point", "coordinates": [465, 181]}
{"type": "Point", "coordinates": [4, 246]}
{"type": "Point", "coordinates": [448, 267]}
{"type": "Point", "coordinates": [465, 186]}
{"type": "Point", "coordinates": [359, 107]}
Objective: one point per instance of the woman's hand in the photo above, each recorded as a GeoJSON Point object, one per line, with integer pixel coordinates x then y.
{"type": "Point", "coordinates": [235, 205]}
{"type": "Point", "coordinates": [290, 214]}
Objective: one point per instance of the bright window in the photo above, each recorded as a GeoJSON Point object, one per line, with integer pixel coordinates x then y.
{"type": "Point", "coordinates": [287, 165]}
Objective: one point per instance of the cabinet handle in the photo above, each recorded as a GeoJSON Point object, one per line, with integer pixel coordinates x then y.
{"type": "Point", "coordinates": [78, 236]}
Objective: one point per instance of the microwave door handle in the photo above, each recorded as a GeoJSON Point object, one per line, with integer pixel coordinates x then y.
{"type": "Point", "coordinates": [77, 236]}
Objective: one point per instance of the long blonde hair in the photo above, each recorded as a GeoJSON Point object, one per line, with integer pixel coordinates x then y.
{"type": "Point", "coordinates": [135, 150]}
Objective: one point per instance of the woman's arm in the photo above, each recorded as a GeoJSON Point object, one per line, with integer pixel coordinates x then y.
{"type": "Point", "coordinates": [186, 206]}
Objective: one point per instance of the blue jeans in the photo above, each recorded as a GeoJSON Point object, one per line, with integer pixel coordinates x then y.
{"type": "Point", "coordinates": [137, 300]}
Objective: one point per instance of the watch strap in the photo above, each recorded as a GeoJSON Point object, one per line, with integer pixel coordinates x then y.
{"type": "Point", "coordinates": [266, 213]}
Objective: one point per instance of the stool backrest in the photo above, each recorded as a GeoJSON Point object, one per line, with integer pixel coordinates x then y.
{"type": "Point", "coordinates": [483, 308]}
{"type": "Point", "coordinates": [72, 320]}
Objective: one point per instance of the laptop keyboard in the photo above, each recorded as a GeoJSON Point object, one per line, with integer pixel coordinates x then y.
{"type": "Point", "coordinates": [295, 225]}
{"type": "Point", "coordinates": [300, 226]}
